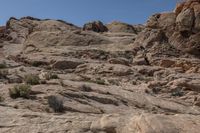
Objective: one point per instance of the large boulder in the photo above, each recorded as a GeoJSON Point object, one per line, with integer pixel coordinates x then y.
{"type": "Point", "coordinates": [185, 20]}
{"type": "Point", "coordinates": [151, 123]}
{"type": "Point", "coordinates": [96, 26]}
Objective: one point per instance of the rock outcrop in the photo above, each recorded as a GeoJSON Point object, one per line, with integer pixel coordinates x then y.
{"type": "Point", "coordinates": [120, 27]}
{"type": "Point", "coordinates": [96, 26]}
{"type": "Point", "coordinates": [112, 78]}
{"type": "Point", "coordinates": [181, 27]}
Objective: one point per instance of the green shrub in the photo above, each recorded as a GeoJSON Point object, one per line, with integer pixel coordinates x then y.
{"type": "Point", "coordinates": [3, 66]}
{"type": "Point", "coordinates": [32, 79]}
{"type": "Point", "coordinates": [21, 90]}
{"type": "Point", "coordinates": [56, 103]}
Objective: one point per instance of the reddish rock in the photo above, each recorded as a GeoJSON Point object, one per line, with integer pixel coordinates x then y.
{"type": "Point", "coordinates": [96, 26]}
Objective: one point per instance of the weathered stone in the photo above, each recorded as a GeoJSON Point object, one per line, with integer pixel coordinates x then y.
{"type": "Point", "coordinates": [66, 64]}
{"type": "Point", "coordinates": [120, 27]}
{"type": "Point", "coordinates": [96, 26]}
{"type": "Point", "coordinates": [185, 20]}
{"type": "Point", "coordinates": [160, 123]}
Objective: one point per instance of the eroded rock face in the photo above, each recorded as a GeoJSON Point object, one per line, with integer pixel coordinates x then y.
{"type": "Point", "coordinates": [131, 79]}
{"type": "Point", "coordinates": [161, 123]}
{"type": "Point", "coordinates": [96, 26]}
{"type": "Point", "coordinates": [181, 26]}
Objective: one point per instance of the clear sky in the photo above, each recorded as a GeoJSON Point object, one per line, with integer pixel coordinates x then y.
{"type": "Point", "coordinates": [80, 11]}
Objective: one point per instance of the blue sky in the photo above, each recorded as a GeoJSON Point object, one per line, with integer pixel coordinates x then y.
{"type": "Point", "coordinates": [80, 11]}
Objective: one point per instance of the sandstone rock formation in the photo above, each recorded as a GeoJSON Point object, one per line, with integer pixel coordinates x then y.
{"type": "Point", "coordinates": [181, 27]}
{"type": "Point", "coordinates": [113, 78]}
{"type": "Point", "coordinates": [120, 27]}
{"type": "Point", "coordinates": [96, 26]}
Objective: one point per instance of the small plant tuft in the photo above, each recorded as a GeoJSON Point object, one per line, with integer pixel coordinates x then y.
{"type": "Point", "coordinates": [1, 99]}
{"type": "Point", "coordinates": [3, 66]}
{"type": "Point", "coordinates": [3, 73]}
{"type": "Point", "coordinates": [21, 90]}
{"type": "Point", "coordinates": [85, 88]}
{"type": "Point", "coordinates": [37, 63]}
{"type": "Point", "coordinates": [56, 103]}
{"type": "Point", "coordinates": [100, 81]}
{"type": "Point", "coordinates": [177, 93]}
{"type": "Point", "coordinates": [51, 75]}
{"type": "Point", "coordinates": [32, 79]}
{"type": "Point", "coordinates": [156, 90]}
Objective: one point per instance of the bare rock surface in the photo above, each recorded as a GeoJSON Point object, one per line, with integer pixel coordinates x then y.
{"type": "Point", "coordinates": [112, 78]}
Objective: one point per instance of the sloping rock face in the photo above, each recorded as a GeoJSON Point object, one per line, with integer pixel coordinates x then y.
{"type": "Point", "coordinates": [129, 79]}
{"type": "Point", "coordinates": [181, 27]}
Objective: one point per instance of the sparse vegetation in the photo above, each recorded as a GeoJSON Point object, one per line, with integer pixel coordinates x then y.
{"type": "Point", "coordinates": [100, 81]}
{"type": "Point", "coordinates": [177, 93]}
{"type": "Point", "coordinates": [51, 75]}
{"type": "Point", "coordinates": [22, 90]}
{"type": "Point", "coordinates": [54, 76]}
{"type": "Point", "coordinates": [3, 66]}
{"type": "Point", "coordinates": [156, 90]}
{"type": "Point", "coordinates": [32, 79]}
{"type": "Point", "coordinates": [3, 73]}
{"type": "Point", "coordinates": [43, 81]}
{"type": "Point", "coordinates": [37, 63]}
{"type": "Point", "coordinates": [62, 83]}
{"type": "Point", "coordinates": [56, 103]}
{"type": "Point", "coordinates": [1, 99]}
{"type": "Point", "coordinates": [22, 69]}
{"type": "Point", "coordinates": [85, 88]}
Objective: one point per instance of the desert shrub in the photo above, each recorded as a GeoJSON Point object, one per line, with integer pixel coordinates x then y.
{"type": "Point", "coordinates": [22, 69]}
{"type": "Point", "coordinates": [100, 81]}
{"type": "Point", "coordinates": [56, 103]}
{"type": "Point", "coordinates": [51, 75]}
{"type": "Point", "coordinates": [3, 73]}
{"type": "Point", "coordinates": [32, 79]}
{"type": "Point", "coordinates": [177, 93]}
{"type": "Point", "coordinates": [38, 63]}
{"type": "Point", "coordinates": [62, 83]}
{"type": "Point", "coordinates": [1, 99]}
{"type": "Point", "coordinates": [85, 88]}
{"type": "Point", "coordinates": [43, 81]}
{"type": "Point", "coordinates": [21, 90]}
{"type": "Point", "coordinates": [3, 65]}
{"type": "Point", "coordinates": [156, 90]}
{"type": "Point", "coordinates": [54, 76]}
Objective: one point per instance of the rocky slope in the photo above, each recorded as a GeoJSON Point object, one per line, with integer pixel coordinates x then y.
{"type": "Point", "coordinates": [113, 78]}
